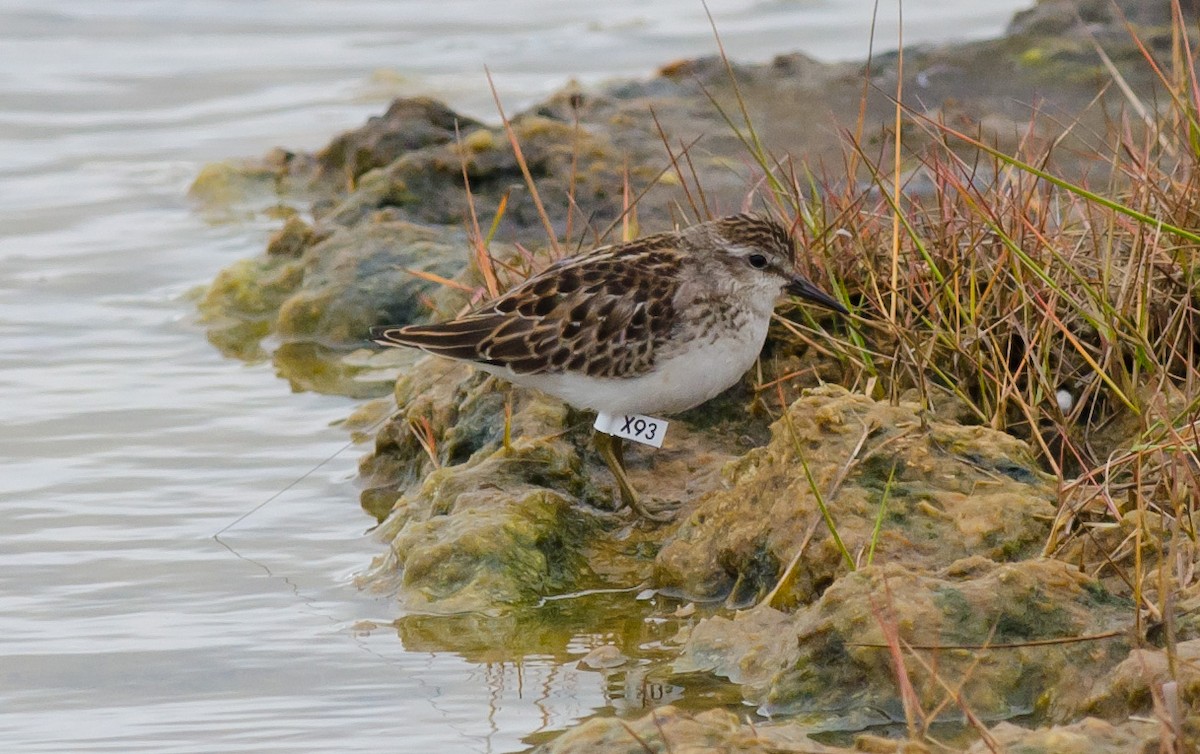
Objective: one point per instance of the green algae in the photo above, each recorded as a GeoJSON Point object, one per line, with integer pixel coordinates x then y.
{"type": "Point", "coordinates": [951, 502]}
{"type": "Point", "coordinates": [318, 294]}
{"type": "Point", "coordinates": [837, 662]}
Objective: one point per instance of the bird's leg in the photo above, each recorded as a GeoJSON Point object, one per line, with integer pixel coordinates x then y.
{"type": "Point", "coordinates": [610, 449]}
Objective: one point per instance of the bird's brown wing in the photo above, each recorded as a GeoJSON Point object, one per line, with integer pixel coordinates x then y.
{"type": "Point", "coordinates": [602, 314]}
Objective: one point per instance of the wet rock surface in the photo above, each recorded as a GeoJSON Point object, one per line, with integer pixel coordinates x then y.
{"type": "Point", "coordinates": [452, 491]}
{"type": "Point", "coordinates": [832, 656]}
{"type": "Point", "coordinates": [318, 291]}
{"type": "Point", "coordinates": [1089, 736]}
{"type": "Point", "coordinates": [670, 729]}
{"type": "Point", "coordinates": [908, 489]}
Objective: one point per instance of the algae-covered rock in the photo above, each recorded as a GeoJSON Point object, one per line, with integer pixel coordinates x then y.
{"type": "Point", "coordinates": [1088, 736]}
{"type": "Point", "coordinates": [1086, 18]}
{"type": "Point", "coordinates": [362, 276]}
{"type": "Point", "coordinates": [669, 729]}
{"type": "Point", "coordinates": [449, 488]}
{"type": "Point", "coordinates": [427, 185]}
{"type": "Point", "coordinates": [936, 491]}
{"type": "Point", "coordinates": [448, 414]}
{"type": "Point", "coordinates": [473, 524]}
{"type": "Point", "coordinates": [408, 124]}
{"type": "Point", "coordinates": [237, 186]}
{"type": "Point", "coordinates": [832, 657]}
{"type": "Point", "coordinates": [240, 306]}
{"type": "Point", "coordinates": [1135, 687]}
{"type": "Point", "coordinates": [318, 293]}
{"type": "Point", "coordinates": [487, 550]}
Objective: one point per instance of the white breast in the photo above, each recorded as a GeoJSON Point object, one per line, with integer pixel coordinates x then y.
{"type": "Point", "coordinates": [686, 377]}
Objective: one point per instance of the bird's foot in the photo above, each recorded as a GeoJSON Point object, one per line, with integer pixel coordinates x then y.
{"type": "Point", "coordinates": [654, 509]}
{"type": "Point", "coordinates": [610, 451]}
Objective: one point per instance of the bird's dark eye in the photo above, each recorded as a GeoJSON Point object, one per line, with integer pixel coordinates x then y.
{"type": "Point", "coordinates": [757, 261]}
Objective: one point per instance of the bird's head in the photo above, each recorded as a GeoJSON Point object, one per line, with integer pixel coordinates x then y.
{"type": "Point", "coordinates": [759, 251]}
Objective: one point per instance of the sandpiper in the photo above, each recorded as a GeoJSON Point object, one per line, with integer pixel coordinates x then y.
{"type": "Point", "coordinates": [654, 326]}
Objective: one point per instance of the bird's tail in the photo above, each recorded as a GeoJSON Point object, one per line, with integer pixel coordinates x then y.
{"type": "Point", "coordinates": [458, 339]}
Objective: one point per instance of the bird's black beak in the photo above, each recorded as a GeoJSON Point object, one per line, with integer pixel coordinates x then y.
{"type": "Point", "coordinates": [802, 287]}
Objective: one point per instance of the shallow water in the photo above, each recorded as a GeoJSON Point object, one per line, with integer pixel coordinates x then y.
{"type": "Point", "coordinates": [128, 441]}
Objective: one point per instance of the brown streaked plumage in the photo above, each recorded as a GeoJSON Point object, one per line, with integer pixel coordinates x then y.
{"type": "Point", "coordinates": [656, 325]}
{"type": "Point", "coordinates": [602, 314]}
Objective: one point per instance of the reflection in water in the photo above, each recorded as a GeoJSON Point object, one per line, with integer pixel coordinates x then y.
{"type": "Point", "coordinates": [533, 655]}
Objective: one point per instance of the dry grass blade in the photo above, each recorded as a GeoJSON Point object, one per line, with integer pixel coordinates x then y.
{"type": "Point", "coordinates": [433, 277]}
{"type": "Point", "coordinates": [955, 695]}
{"type": "Point", "coordinates": [683, 181]}
{"type": "Point", "coordinates": [913, 714]}
{"type": "Point", "coordinates": [1080, 191]}
{"type": "Point", "coordinates": [551, 236]}
{"type": "Point", "coordinates": [789, 573]}
{"type": "Point", "coordinates": [423, 432]}
{"type": "Point", "coordinates": [483, 258]}
{"type": "Point", "coordinates": [897, 139]}
{"type": "Point", "coordinates": [630, 200]}
{"type": "Point", "coordinates": [633, 734]}
{"type": "Point", "coordinates": [989, 645]}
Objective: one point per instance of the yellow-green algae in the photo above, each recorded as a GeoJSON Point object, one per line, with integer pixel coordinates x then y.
{"type": "Point", "coordinates": [951, 491]}
{"type": "Point", "coordinates": [1088, 736]}
{"type": "Point", "coordinates": [443, 458]}
{"type": "Point", "coordinates": [222, 186]}
{"type": "Point", "coordinates": [488, 526]}
{"type": "Point", "coordinates": [669, 729]}
{"type": "Point", "coordinates": [832, 657]}
{"type": "Point", "coordinates": [319, 294]}
{"type": "Point", "coordinates": [1133, 685]}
